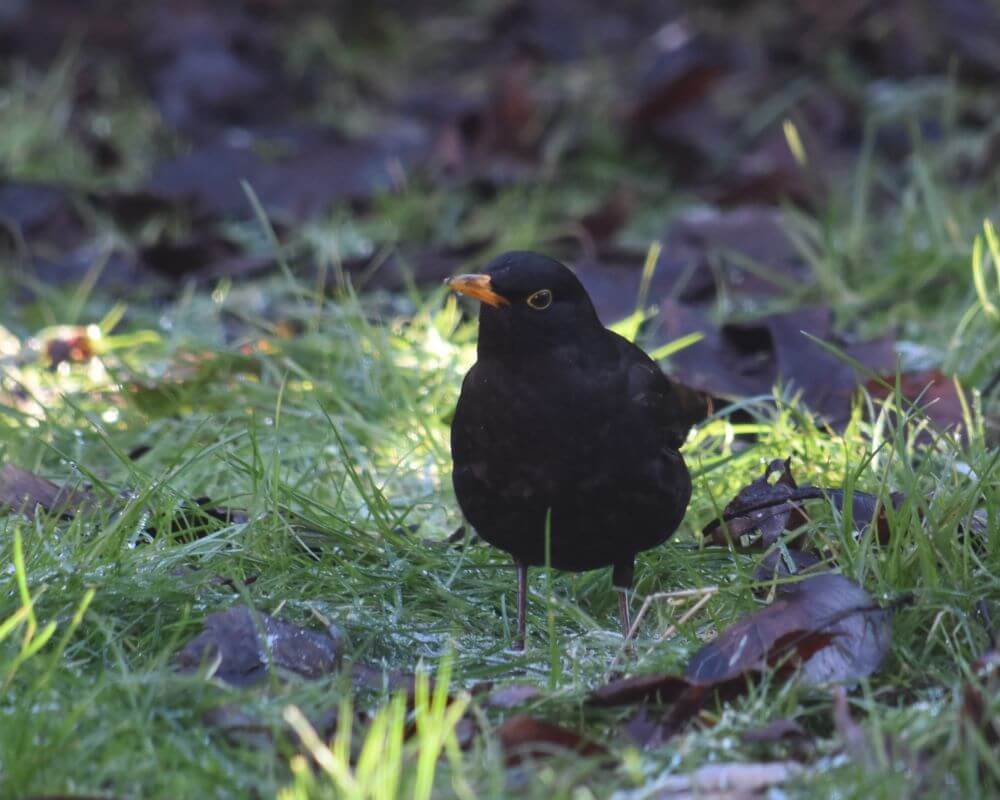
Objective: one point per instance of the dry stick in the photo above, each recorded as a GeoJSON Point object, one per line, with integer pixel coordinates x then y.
{"type": "Point", "coordinates": [685, 617]}
{"type": "Point", "coordinates": [707, 591]}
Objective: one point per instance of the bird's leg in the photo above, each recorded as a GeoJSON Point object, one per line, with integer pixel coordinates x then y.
{"type": "Point", "coordinates": [623, 612]}
{"type": "Point", "coordinates": [621, 578]}
{"type": "Point", "coordinates": [522, 604]}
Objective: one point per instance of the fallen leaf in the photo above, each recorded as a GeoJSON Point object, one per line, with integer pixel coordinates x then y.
{"type": "Point", "coordinates": [659, 689]}
{"type": "Point", "coordinates": [977, 694]}
{"type": "Point", "coordinates": [564, 30]}
{"type": "Point", "coordinates": [22, 492]}
{"type": "Point", "coordinates": [823, 629]}
{"type": "Point", "coordinates": [498, 137]}
{"type": "Point", "coordinates": [610, 216]}
{"type": "Point", "coordinates": [769, 174]}
{"type": "Point", "coordinates": [763, 510]}
{"type": "Point", "coordinates": [526, 738]}
{"type": "Point", "coordinates": [212, 66]}
{"type": "Point", "coordinates": [512, 695]}
{"type": "Point", "coordinates": [762, 507]}
{"type": "Point", "coordinates": [672, 109]}
{"type": "Point", "coordinates": [827, 604]}
{"type": "Point", "coordinates": [826, 383]}
{"type": "Point", "coordinates": [867, 509]}
{"type": "Point", "coordinates": [400, 269]}
{"type": "Point", "coordinates": [723, 363]}
{"type": "Point", "coordinates": [727, 240]}
{"type": "Point", "coordinates": [686, 695]}
{"type": "Point", "coordinates": [382, 680]}
{"type": "Point", "coordinates": [205, 256]}
{"type": "Point", "coordinates": [36, 209]}
{"type": "Point", "coordinates": [779, 730]}
{"type": "Point", "coordinates": [309, 170]}
{"type": "Point", "coordinates": [247, 644]}
{"type": "Point", "coordinates": [934, 393]}
{"type": "Point", "coordinates": [612, 278]}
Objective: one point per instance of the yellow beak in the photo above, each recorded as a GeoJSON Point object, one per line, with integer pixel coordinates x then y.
{"type": "Point", "coordinates": [478, 286]}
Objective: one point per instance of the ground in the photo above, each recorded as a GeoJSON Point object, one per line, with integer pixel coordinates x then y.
{"type": "Point", "coordinates": [253, 384]}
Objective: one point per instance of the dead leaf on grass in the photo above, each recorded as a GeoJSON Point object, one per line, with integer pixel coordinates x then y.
{"type": "Point", "coordinates": [823, 629]}
{"type": "Point", "coordinates": [523, 737]}
{"type": "Point", "coordinates": [764, 509]}
{"type": "Point", "coordinates": [242, 645]}
{"type": "Point", "coordinates": [22, 492]}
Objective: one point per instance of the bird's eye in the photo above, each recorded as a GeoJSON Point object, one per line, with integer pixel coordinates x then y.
{"type": "Point", "coordinates": [540, 300]}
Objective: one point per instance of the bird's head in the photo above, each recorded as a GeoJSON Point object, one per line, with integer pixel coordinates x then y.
{"type": "Point", "coordinates": [528, 301]}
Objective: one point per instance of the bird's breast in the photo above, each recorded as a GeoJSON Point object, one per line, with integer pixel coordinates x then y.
{"type": "Point", "coordinates": [557, 415]}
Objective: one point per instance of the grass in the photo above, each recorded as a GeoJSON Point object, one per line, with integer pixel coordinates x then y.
{"type": "Point", "coordinates": [335, 441]}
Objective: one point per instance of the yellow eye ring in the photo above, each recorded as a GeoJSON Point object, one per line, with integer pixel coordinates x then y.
{"type": "Point", "coordinates": [540, 300]}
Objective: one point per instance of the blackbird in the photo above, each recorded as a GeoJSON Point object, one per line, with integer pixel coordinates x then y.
{"type": "Point", "coordinates": [564, 430]}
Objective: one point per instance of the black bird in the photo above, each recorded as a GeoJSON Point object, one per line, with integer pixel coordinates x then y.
{"type": "Point", "coordinates": [565, 426]}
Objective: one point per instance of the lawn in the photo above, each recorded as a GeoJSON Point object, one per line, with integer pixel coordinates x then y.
{"type": "Point", "coordinates": [249, 388]}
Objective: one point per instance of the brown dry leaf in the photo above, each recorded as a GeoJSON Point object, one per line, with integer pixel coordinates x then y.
{"type": "Point", "coordinates": [22, 492]}
{"type": "Point", "coordinates": [239, 727]}
{"type": "Point", "coordinates": [746, 255]}
{"type": "Point", "coordinates": [935, 393]}
{"type": "Point", "coordinates": [727, 240]}
{"type": "Point", "coordinates": [825, 628]}
{"type": "Point", "coordinates": [672, 108]}
{"type": "Point", "coordinates": [310, 170]}
{"type": "Point", "coordinates": [749, 358]}
{"type": "Point", "coordinates": [820, 604]}
{"type": "Point", "coordinates": [608, 218]}
{"type": "Point", "coordinates": [512, 695]}
{"type": "Point", "coordinates": [612, 278]}
{"type": "Point", "coordinates": [687, 695]}
{"type": "Point", "coordinates": [524, 737]}
{"type": "Point", "coordinates": [39, 212]}
{"type": "Point", "coordinates": [762, 510]}
{"type": "Point", "coordinates": [769, 174]}
{"type": "Point", "coordinates": [498, 138]}
{"type": "Point", "coordinates": [977, 694]}
{"type": "Point", "coordinates": [244, 645]}
{"type": "Point", "coordinates": [779, 730]}
{"type": "Point", "coordinates": [206, 256]}
{"type": "Point", "coordinates": [744, 514]}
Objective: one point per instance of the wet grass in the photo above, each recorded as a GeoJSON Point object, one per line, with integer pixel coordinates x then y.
{"type": "Point", "coordinates": [335, 442]}
{"type": "Point", "coordinates": [325, 416]}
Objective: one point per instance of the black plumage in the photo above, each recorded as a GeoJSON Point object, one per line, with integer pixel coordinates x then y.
{"type": "Point", "coordinates": [563, 423]}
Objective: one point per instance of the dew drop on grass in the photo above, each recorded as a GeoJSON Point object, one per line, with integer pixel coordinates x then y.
{"type": "Point", "coordinates": [140, 528]}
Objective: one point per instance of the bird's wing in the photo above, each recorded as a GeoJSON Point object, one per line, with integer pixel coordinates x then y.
{"type": "Point", "coordinates": [671, 407]}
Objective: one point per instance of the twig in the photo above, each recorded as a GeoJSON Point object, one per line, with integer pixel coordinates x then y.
{"type": "Point", "coordinates": [707, 591]}
{"type": "Point", "coordinates": [685, 617]}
